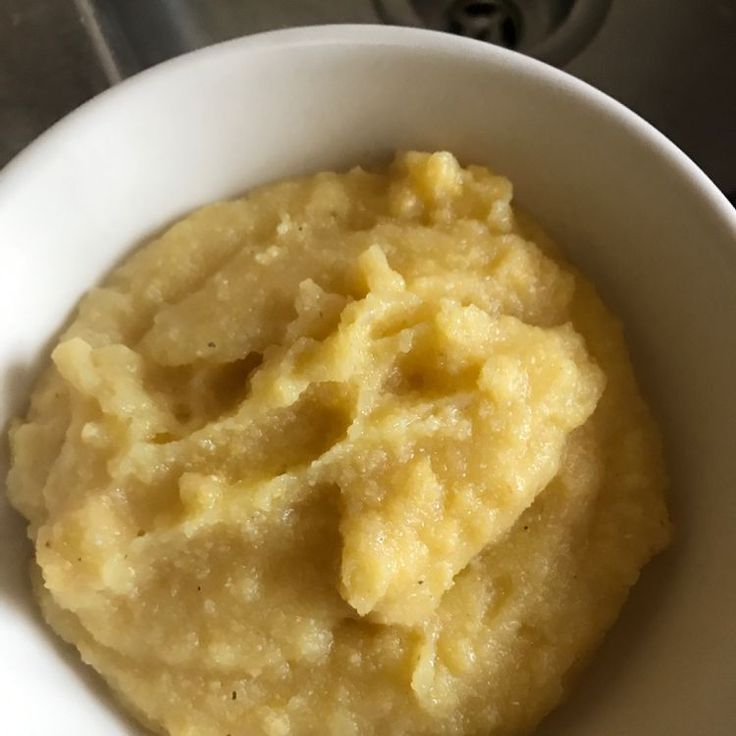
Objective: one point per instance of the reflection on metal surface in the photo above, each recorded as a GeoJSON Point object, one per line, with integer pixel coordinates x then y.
{"type": "Point", "coordinates": [552, 30]}
{"type": "Point", "coordinates": [494, 21]}
{"type": "Point", "coordinates": [673, 62]}
{"type": "Point", "coordinates": [99, 40]}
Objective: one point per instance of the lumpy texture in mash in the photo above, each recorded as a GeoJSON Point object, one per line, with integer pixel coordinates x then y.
{"type": "Point", "coordinates": [356, 454]}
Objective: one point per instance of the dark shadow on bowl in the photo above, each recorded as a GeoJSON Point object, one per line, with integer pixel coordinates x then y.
{"type": "Point", "coordinates": [608, 665]}
{"type": "Point", "coordinates": [15, 589]}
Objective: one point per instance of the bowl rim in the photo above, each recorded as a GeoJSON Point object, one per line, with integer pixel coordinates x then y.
{"type": "Point", "coordinates": [377, 35]}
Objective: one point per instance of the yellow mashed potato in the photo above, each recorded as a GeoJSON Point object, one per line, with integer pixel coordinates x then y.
{"type": "Point", "coordinates": [356, 454]}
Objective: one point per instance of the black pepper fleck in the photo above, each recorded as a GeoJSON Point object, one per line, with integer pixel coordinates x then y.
{"type": "Point", "coordinates": [526, 528]}
{"type": "Point", "coordinates": [211, 345]}
{"type": "Point", "coordinates": [235, 695]}
{"type": "Point", "coordinates": [199, 587]}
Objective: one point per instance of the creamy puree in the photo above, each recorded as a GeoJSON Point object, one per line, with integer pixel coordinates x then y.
{"type": "Point", "coordinates": [356, 454]}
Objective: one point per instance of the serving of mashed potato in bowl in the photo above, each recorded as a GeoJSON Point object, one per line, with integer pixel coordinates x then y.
{"type": "Point", "coordinates": [351, 455]}
{"type": "Point", "coordinates": [358, 451]}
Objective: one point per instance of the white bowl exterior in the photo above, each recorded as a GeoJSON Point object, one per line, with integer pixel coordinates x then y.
{"type": "Point", "coordinates": [631, 210]}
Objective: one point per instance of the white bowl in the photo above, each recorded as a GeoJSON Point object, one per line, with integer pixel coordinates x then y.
{"type": "Point", "coordinates": [637, 215]}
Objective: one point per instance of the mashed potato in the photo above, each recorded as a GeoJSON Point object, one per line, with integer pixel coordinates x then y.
{"type": "Point", "coordinates": [356, 454]}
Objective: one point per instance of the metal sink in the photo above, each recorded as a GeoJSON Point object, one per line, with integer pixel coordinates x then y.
{"type": "Point", "coordinates": [672, 62]}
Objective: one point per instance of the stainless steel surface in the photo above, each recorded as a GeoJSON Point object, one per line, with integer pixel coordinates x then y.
{"type": "Point", "coordinates": [672, 61]}
{"type": "Point", "coordinates": [144, 32]}
{"type": "Point", "coordinates": [47, 68]}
